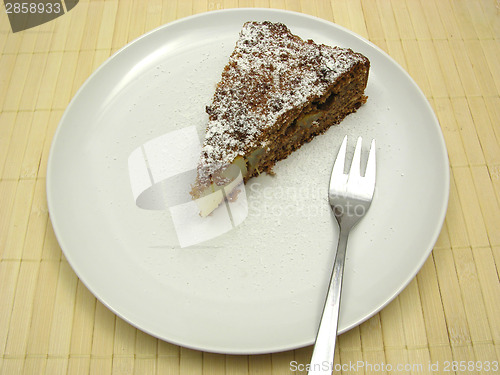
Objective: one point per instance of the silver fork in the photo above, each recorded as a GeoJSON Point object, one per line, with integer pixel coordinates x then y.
{"type": "Point", "coordinates": [350, 196]}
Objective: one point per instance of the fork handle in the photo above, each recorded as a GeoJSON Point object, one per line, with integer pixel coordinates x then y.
{"type": "Point", "coordinates": [324, 349]}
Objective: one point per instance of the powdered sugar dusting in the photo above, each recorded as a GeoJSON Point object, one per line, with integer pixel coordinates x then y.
{"type": "Point", "coordinates": [269, 73]}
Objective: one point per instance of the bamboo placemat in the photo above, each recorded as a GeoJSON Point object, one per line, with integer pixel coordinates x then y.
{"type": "Point", "coordinates": [51, 324]}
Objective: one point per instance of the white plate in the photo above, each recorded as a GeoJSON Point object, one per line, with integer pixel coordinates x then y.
{"type": "Point", "coordinates": [258, 287]}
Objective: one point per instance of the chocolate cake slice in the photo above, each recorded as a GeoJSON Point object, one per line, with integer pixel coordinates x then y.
{"type": "Point", "coordinates": [277, 92]}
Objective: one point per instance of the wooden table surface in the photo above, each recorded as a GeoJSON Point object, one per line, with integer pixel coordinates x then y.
{"type": "Point", "coordinates": [51, 324]}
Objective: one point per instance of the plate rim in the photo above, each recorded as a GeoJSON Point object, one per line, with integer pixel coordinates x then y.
{"type": "Point", "coordinates": [262, 12]}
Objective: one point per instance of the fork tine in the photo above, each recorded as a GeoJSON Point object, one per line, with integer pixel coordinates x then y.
{"type": "Point", "coordinates": [355, 170]}
{"type": "Point", "coordinates": [371, 166]}
{"type": "Point", "coordinates": [338, 166]}
{"type": "Point", "coordinates": [338, 179]}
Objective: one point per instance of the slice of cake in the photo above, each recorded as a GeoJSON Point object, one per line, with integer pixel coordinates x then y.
{"type": "Point", "coordinates": [276, 93]}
